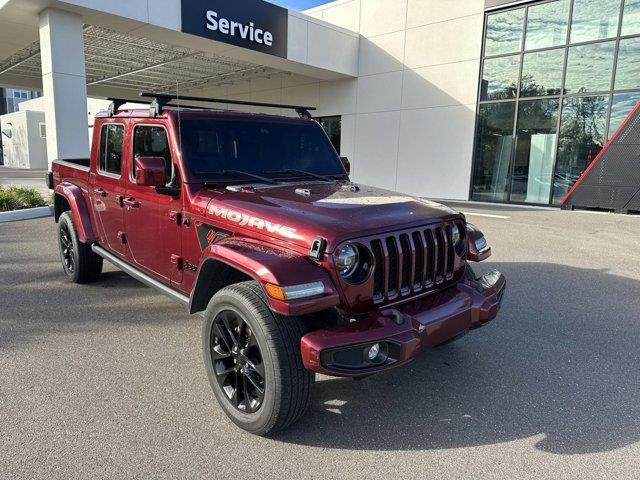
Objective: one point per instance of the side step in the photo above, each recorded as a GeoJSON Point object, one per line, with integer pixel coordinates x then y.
{"type": "Point", "coordinates": [140, 276]}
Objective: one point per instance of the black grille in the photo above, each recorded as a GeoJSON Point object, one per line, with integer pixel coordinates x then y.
{"type": "Point", "coordinates": [378, 272]}
{"type": "Point", "coordinates": [413, 260]}
{"type": "Point", "coordinates": [419, 251]}
{"type": "Point", "coordinates": [406, 262]}
{"type": "Point", "coordinates": [393, 265]}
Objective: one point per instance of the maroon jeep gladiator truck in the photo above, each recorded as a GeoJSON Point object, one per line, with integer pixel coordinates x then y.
{"type": "Point", "coordinates": [251, 221]}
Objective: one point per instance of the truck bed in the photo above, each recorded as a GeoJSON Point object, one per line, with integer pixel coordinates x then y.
{"type": "Point", "coordinates": [74, 171]}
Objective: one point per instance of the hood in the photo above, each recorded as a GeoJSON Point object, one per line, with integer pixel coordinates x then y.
{"type": "Point", "coordinates": [300, 212]}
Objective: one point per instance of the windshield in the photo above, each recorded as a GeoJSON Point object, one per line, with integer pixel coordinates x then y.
{"type": "Point", "coordinates": [261, 148]}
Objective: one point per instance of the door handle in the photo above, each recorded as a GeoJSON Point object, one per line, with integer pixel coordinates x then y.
{"type": "Point", "coordinates": [131, 202]}
{"type": "Point", "coordinates": [100, 192]}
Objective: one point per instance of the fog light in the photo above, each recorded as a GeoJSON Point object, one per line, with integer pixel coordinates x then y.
{"type": "Point", "coordinates": [374, 351]}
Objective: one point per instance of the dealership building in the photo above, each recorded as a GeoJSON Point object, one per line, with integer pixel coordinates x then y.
{"type": "Point", "coordinates": [489, 100]}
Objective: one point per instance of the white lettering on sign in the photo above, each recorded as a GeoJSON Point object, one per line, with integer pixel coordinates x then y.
{"type": "Point", "coordinates": [246, 32]}
{"type": "Point", "coordinates": [244, 220]}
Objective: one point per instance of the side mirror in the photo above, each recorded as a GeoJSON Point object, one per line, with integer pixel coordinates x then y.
{"type": "Point", "coordinates": [346, 164]}
{"type": "Point", "coordinates": [150, 171]}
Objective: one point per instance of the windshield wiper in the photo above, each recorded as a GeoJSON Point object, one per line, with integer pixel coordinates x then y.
{"type": "Point", "coordinates": [304, 172]}
{"type": "Point", "coordinates": [240, 172]}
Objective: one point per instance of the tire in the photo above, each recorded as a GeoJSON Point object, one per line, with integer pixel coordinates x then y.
{"type": "Point", "coordinates": [286, 384]}
{"type": "Point", "coordinates": [79, 262]}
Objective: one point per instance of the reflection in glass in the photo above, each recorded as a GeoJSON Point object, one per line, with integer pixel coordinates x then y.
{"type": "Point", "coordinates": [536, 134]}
{"type": "Point", "coordinates": [594, 20]}
{"type": "Point", "coordinates": [628, 68]}
{"type": "Point", "coordinates": [500, 78]}
{"type": "Point", "coordinates": [493, 153]}
{"type": "Point", "coordinates": [504, 32]}
{"type": "Point", "coordinates": [631, 17]}
{"type": "Point", "coordinates": [589, 68]}
{"type": "Point", "coordinates": [621, 106]}
{"type": "Point", "coordinates": [333, 128]}
{"type": "Point", "coordinates": [547, 25]}
{"type": "Point", "coordinates": [582, 136]}
{"type": "Point", "coordinates": [542, 73]}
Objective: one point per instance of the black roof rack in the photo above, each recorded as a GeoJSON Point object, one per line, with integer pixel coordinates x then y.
{"type": "Point", "coordinates": [161, 100]}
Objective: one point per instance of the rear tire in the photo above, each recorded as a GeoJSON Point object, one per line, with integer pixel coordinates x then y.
{"type": "Point", "coordinates": [79, 262]}
{"type": "Point", "coordinates": [263, 387]}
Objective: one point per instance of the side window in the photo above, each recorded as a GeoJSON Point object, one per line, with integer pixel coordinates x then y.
{"type": "Point", "coordinates": [111, 139]}
{"type": "Point", "coordinates": [151, 141]}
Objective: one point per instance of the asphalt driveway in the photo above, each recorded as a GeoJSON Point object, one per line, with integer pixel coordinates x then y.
{"type": "Point", "coordinates": [107, 381]}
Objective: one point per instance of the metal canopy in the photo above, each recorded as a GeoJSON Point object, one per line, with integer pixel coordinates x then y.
{"type": "Point", "coordinates": [122, 60]}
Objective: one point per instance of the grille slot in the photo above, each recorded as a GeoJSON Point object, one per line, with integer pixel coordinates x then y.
{"type": "Point", "coordinates": [440, 255]}
{"type": "Point", "coordinates": [410, 261]}
{"type": "Point", "coordinates": [431, 258]}
{"type": "Point", "coordinates": [406, 263]}
{"type": "Point", "coordinates": [450, 250]}
{"type": "Point", "coordinates": [378, 272]}
{"type": "Point", "coordinates": [392, 250]}
{"type": "Point", "coordinates": [419, 252]}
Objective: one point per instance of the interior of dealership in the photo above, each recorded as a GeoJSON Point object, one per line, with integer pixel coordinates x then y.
{"type": "Point", "coordinates": [558, 79]}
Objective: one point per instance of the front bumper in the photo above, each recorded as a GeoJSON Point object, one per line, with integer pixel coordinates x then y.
{"type": "Point", "coordinates": [402, 332]}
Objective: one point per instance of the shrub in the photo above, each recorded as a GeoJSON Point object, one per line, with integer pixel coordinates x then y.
{"type": "Point", "coordinates": [16, 198]}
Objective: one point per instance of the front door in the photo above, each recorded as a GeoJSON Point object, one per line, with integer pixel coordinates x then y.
{"type": "Point", "coordinates": [107, 188]}
{"type": "Point", "coordinates": [152, 219]}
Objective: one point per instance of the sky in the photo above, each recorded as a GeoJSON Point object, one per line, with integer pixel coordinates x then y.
{"type": "Point", "coordinates": [299, 4]}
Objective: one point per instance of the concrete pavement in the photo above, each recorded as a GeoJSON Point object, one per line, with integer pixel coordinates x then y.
{"type": "Point", "coordinates": [16, 177]}
{"type": "Point", "coordinates": [107, 381]}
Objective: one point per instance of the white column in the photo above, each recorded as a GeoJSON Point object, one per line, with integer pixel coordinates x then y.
{"type": "Point", "coordinates": [64, 84]}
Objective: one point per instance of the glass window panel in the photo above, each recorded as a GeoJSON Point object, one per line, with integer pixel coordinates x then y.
{"type": "Point", "coordinates": [504, 32]}
{"type": "Point", "coordinates": [542, 73]}
{"type": "Point", "coordinates": [594, 20]}
{"type": "Point", "coordinates": [621, 106]}
{"type": "Point", "coordinates": [333, 128]}
{"type": "Point", "coordinates": [111, 140]}
{"type": "Point", "coordinates": [628, 68]}
{"type": "Point", "coordinates": [494, 143]}
{"type": "Point", "coordinates": [589, 68]}
{"type": "Point", "coordinates": [582, 136]}
{"type": "Point", "coordinates": [536, 135]}
{"type": "Point", "coordinates": [500, 78]}
{"type": "Point", "coordinates": [631, 17]}
{"type": "Point", "coordinates": [547, 24]}
{"type": "Point", "coordinates": [150, 141]}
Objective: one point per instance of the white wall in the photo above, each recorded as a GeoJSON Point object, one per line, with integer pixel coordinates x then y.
{"type": "Point", "coordinates": [26, 148]}
{"type": "Point", "coordinates": [408, 119]}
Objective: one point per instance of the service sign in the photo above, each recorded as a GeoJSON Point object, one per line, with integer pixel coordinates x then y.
{"type": "Point", "coordinates": [252, 24]}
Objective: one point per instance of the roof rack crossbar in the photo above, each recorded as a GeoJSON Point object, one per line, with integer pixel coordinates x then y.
{"type": "Point", "coordinates": [162, 100]}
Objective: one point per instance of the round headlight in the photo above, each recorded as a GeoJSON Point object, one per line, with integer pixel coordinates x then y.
{"type": "Point", "coordinates": [455, 235]}
{"type": "Point", "coordinates": [347, 260]}
{"type": "Point", "coordinates": [458, 238]}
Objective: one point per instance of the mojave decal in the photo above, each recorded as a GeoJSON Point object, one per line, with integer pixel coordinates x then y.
{"type": "Point", "coordinates": [244, 220]}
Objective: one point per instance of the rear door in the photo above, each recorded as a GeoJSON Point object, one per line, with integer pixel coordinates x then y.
{"type": "Point", "coordinates": [107, 187]}
{"type": "Point", "coordinates": [152, 219]}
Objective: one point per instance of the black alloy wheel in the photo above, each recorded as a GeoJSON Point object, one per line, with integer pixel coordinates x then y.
{"type": "Point", "coordinates": [79, 262]}
{"type": "Point", "coordinates": [237, 362]}
{"type": "Point", "coordinates": [66, 249]}
{"type": "Point", "coordinates": [253, 359]}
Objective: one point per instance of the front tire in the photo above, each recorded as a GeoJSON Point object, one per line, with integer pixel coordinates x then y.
{"type": "Point", "coordinates": [253, 361]}
{"type": "Point", "coordinates": [80, 263]}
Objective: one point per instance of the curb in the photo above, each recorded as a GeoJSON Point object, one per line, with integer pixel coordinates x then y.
{"type": "Point", "coordinates": [26, 214]}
